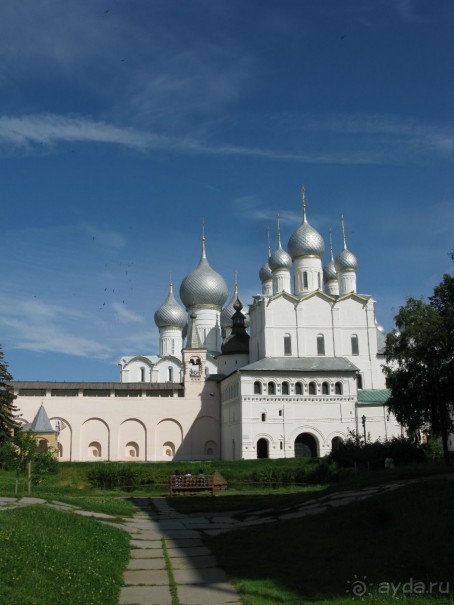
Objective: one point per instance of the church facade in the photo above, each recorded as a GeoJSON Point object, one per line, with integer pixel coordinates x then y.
{"type": "Point", "coordinates": [289, 375]}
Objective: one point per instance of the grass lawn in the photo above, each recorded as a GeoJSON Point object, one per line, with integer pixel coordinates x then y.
{"type": "Point", "coordinates": [403, 536]}
{"type": "Point", "coordinates": [47, 556]}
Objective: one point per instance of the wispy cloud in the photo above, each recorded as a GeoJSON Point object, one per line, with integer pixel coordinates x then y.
{"type": "Point", "coordinates": [38, 326]}
{"type": "Point", "coordinates": [125, 315]}
{"type": "Point", "coordinates": [390, 139]}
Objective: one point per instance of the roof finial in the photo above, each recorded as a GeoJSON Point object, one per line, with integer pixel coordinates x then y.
{"type": "Point", "coordinates": [343, 232]}
{"type": "Point", "coordinates": [170, 284]}
{"type": "Point", "coordinates": [269, 245]}
{"type": "Point", "coordinates": [331, 244]}
{"type": "Point", "coordinates": [235, 289]}
{"type": "Point", "coordinates": [303, 196]}
{"type": "Point", "coordinates": [279, 232]}
{"type": "Point", "coordinates": [203, 239]}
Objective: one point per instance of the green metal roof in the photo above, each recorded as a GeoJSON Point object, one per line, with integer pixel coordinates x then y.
{"type": "Point", "coordinates": [371, 396]}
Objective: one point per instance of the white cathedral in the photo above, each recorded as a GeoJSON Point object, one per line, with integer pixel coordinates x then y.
{"type": "Point", "coordinates": [290, 375]}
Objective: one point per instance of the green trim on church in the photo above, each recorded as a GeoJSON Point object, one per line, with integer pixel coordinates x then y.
{"type": "Point", "coordinates": [373, 396]}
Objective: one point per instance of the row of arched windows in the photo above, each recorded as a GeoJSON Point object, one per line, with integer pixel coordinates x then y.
{"type": "Point", "coordinates": [299, 388]}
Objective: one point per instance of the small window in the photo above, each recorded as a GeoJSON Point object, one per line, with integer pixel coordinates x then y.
{"type": "Point", "coordinates": [257, 388]}
{"type": "Point", "coordinates": [312, 388]}
{"type": "Point", "coordinates": [325, 388]}
{"type": "Point", "coordinates": [281, 445]}
{"type": "Point", "coordinates": [320, 344]}
{"type": "Point", "coordinates": [305, 282]}
{"type": "Point", "coordinates": [142, 374]}
{"type": "Point", "coordinates": [298, 389]}
{"type": "Point", "coordinates": [359, 381]}
{"type": "Point", "coordinates": [338, 388]}
{"type": "Point", "coordinates": [355, 346]}
{"type": "Point", "coordinates": [319, 281]}
{"type": "Point", "coordinates": [263, 417]}
{"type": "Point", "coordinates": [271, 388]}
{"type": "Point", "coordinates": [285, 388]}
{"type": "Point", "coordinates": [287, 344]}
{"type": "Point", "coordinates": [170, 374]}
{"type": "Point", "coordinates": [280, 412]}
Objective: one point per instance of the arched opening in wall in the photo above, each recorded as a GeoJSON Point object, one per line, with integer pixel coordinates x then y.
{"type": "Point", "coordinates": [210, 449]}
{"type": "Point", "coordinates": [271, 388]}
{"type": "Point", "coordinates": [355, 345]}
{"type": "Point", "coordinates": [287, 344]}
{"type": "Point", "coordinates": [285, 388]}
{"type": "Point", "coordinates": [142, 374]}
{"type": "Point", "coordinates": [262, 448]}
{"type": "Point", "coordinates": [132, 450]}
{"type": "Point", "coordinates": [170, 374]}
{"type": "Point", "coordinates": [59, 450]}
{"type": "Point", "coordinates": [94, 449]}
{"type": "Point", "coordinates": [195, 365]}
{"type": "Point", "coordinates": [320, 344]}
{"type": "Point", "coordinates": [359, 381]}
{"type": "Point", "coordinates": [336, 442]}
{"type": "Point", "coordinates": [305, 282]}
{"type": "Point", "coordinates": [168, 449]}
{"type": "Point", "coordinates": [257, 388]}
{"type": "Point", "coordinates": [338, 388]}
{"type": "Point", "coordinates": [312, 388]}
{"type": "Point", "coordinates": [43, 446]}
{"type": "Point", "coordinates": [325, 388]}
{"type": "Point", "coordinates": [298, 388]}
{"type": "Point", "coordinates": [306, 446]}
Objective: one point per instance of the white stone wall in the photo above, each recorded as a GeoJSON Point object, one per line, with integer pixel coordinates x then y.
{"type": "Point", "coordinates": [133, 428]}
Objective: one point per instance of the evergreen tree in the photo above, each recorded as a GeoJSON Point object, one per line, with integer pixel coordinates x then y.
{"type": "Point", "coordinates": [7, 408]}
{"type": "Point", "coordinates": [420, 370]}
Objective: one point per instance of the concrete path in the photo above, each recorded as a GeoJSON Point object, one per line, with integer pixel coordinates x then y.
{"type": "Point", "coordinates": [169, 563]}
{"type": "Point", "coordinates": [168, 556]}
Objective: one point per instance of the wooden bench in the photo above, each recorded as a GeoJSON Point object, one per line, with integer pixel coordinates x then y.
{"type": "Point", "coordinates": [180, 484]}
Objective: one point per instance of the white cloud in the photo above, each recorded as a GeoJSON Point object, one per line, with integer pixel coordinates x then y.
{"type": "Point", "coordinates": [125, 315]}
{"type": "Point", "coordinates": [38, 326]}
{"type": "Point", "coordinates": [399, 141]}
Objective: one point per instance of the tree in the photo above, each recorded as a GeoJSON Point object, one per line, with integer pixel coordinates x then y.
{"type": "Point", "coordinates": [420, 364]}
{"type": "Point", "coordinates": [8, 423]}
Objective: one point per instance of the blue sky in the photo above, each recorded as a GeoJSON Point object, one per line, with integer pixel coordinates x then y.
{"type": "Point", "coordinates": [124, 124]}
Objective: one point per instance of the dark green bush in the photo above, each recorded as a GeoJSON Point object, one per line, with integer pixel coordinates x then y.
{"type": "Point", "coordinates": [112, 475]}
{"type": "Point", "coordinates": [354, 452]}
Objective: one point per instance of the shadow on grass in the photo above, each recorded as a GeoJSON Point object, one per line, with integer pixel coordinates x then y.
{"type": "Point", "coordinates": [399, 537]}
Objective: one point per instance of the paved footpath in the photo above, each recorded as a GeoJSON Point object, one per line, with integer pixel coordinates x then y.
{"type": "Point", "coordinates": [164, 544]}
{"type": "Point", "coordinates": [167, 552]}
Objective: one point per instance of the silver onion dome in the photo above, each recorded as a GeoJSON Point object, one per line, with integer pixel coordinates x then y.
{"type": "Point", "coordinates": [280, 259]}
{"type": "Point", "coordinates": [329, 272]}
{"type": "Point", "coordinates": [306, 241]}
{"type": "Point", "coordinates": [203, 286]}
{"type": "Point", "coordinates": [265, 273]}
{"type": "Point", "coordinates": [346, 260]}
{"type": "Point", "coordinates": [170, 313]}
{"type": "Point", "coordinates": [229, 309]}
